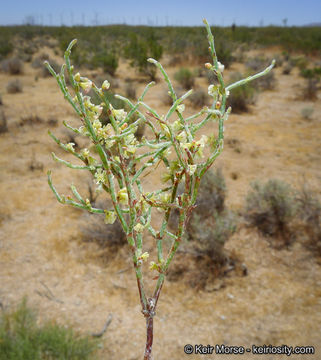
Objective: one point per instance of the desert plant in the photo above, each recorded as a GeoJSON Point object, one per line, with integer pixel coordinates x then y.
{"type": "Point", "coordinates": [310, 90]}
{"type": "Point", "coordinates": [309, 211]}
{"type": "Point", "coordinates": [12, 66]}
{"type": "Point", "coordinates": [199, 98]}
{"type": "Point", "coordinates": [287, 69]}
{"type": "Point", "coordinates": [112, 237]}
{"type": "Point", "coordinates": [31, 120]}
{"type": "Point", "coordinates": [242, 97]}
{"type": "Point", "coordinates": [120, 163]}
{"type": "Point", "coordinates": [271, 207]}
{"type": "Point", "coordinates": [139, 50]}
{"type": "Point", "coordinates": [108, 61]}
{"type": "Point", "coordinates": [185, 78]}
{"type": "Point", "coordinates": [14, 86]}
{"type": "Point", "coordinates": [130, 91]}
{"type": "Point", "coordinates": [307, 112]}
{"type": "Point", "coordinates": [21, 338]}
{"type": "Point", "coordinates": [3, 122]}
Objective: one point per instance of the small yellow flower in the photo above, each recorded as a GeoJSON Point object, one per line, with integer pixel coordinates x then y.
{"type": "Point", "coordinates": [85, 153]}
{"type": "Point", "coordinates": [110, 217]}
{"type": "Point", "coordinates": [120, 115]}
{"type": "Point", "coordinates": [122, 196]}
{"type": "Point", "coordinates": [101, 176]}
{"type": "Point", "coordinates": [180, 108]}
{"type": "Point", "coordinates": [144, 256]}
{"type": "Point", "coordinates": [139, 228]}
{"type": "Point", "coordinates": [220, 67]}
{"type": "Point", "coordinates": [86, 85]}
{"type": "Point", "coordinates": [212, 90]}
{"type": "Point", "coordinates": [77, 77]}
{"type": "Point", "coordinates": [70, 147]}
{"type": "Point", "coordinates": [105, 85]}
{"type": "Point", "coordinates": [153, 265]}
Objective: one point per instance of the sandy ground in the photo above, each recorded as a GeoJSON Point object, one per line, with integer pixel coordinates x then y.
{"type": "Point", "coordinates": [279, 302]}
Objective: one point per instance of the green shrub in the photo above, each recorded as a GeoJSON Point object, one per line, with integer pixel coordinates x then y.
{"type": "Point", "coordinates": [307, 112]}
{"type": "Point", "coordinates": [22, 339]}
{"type": "Point", "coordinates": [185, 78]}
{"type": "Point", "coordinates": [12, 66]}
{"type": "Point", "coordinates": [309, 210]}
{"type": "Point", "coordinates": [241, 97]}
{"type": "Point", "coordinates": [3, 122]}
{"type": "Point", "coordinates": [138, 50]}
{"type": "Point", "coordinates": [14, 86]}
{"type": "Point", "coordinates": [107, 237]}
{"type": "Point", "coordinates": [199, 98]}
{"type": "Point", "coordinates": [108, 61]}
{"type": "Point", "coordinates": [310, 90]}
{"type": "Point", "coordinates": [271, 207]}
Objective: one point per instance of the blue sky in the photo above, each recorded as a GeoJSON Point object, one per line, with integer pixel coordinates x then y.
{"type": "Point", "coordinates": [161, 12]}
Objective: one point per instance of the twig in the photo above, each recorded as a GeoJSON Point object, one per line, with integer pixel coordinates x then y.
{"type": "Point", "coordinates": [102, 332]}
{"type": "Point", "coordinates": [48, 293]}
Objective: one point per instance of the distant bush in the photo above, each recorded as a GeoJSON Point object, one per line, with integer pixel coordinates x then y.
{"type": "Point", "coordinates": [199, 98]}
{"type": "Point", "coordinates": [259, 63]}
{"type": "Point", "coordinates": [310, 90]}
{"type": "Point", "coordinates": [12, 66]}
{"type": "Point", "coordinates": [271, 207]}
{"type": "Point", "coordinates": [32, 119]}
{"type": "Point", "coordinates": [287, 69]}
{"type": "Point", "coordinates": [14, 86]}
{"type": "Point", "coordinates": [130, 91]}
{"type": "Point", "coordinates": [307, 112]}
{"type": "Point", "coordinates": [309, 210]}
{"type": "Point", "coordinates": [210, 226]}
{"type": "Point", "coordinates": [185, 78]}
{"type": "Point", "coordinates": [5, 47]}
{"type": "Point", "coordinates": [21, 338]}
{"type": "Point", "coordinates": [107, 60]}
{"type": "Point", "coordinates": [3, 122]}
{"type": "Point", "coordinates": [39, 60]}
{"type": "Point", "coordinates": [107, 237]}
{"type": "Point", "coordinates": [312, 73]}
{"type": "Point", "coordinates": [138, 50]}
{"type": "Point", "coordinates": [241, 97]}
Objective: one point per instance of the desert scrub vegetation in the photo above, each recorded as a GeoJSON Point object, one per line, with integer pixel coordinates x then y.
{"type": "Point", "coordinates": [3, 122]}
{"type": "Point", "coordinates": [14, 86]}
{"type": "Point", "coordinates": [185, 78]}
{"type": "Point", "coordinates": [309, 213]}
{"type": "Point", "coordinates": [119, 163]}
{"type": "Point", "coordinates": [210, 225]}
{"type": "Point", "coordinates": [21, 338]}
{"type": "Point", "coordinates": [12, 66]}
{"type": "Point", "coordinates": [242, 97]}
{"type": "Point", "coordinates": [271, 208]}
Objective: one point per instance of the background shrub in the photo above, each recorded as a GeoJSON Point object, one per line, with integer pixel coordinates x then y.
{"type": "Point", "coordinates": [107, 60]}
{"type": "Point", "coordinates": [185, 78]}
{"type": "Point", "coordinates": [14, 86]}
{"type": "Point", "coordinates": [208, 229]}
{"type": "Point", "coordinates": [307, 112]}
{"type": "Point", "coordinates": [271, 207]}
{"type": "Point", "coordinates": [309, 210]}
{"type": "Point", "coordinates": [3, 122]}
{"type": "Point", "coordinates": [241, 97]}
{"type": "Point", "coordinates": [310, 90]}
{"type": "Point", "coordinates": [198, 98]}
{"type": "Point", "coordinates": [12, 66]}
{"type": "Point", "coordinates": [22, 339]}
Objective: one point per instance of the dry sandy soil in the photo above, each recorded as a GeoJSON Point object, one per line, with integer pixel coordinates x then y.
{"type": "Point", "coordinates": [278, 302]}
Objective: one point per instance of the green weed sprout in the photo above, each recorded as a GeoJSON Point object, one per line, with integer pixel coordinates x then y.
{"type": "Point", "coordinates": [120, 161]}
